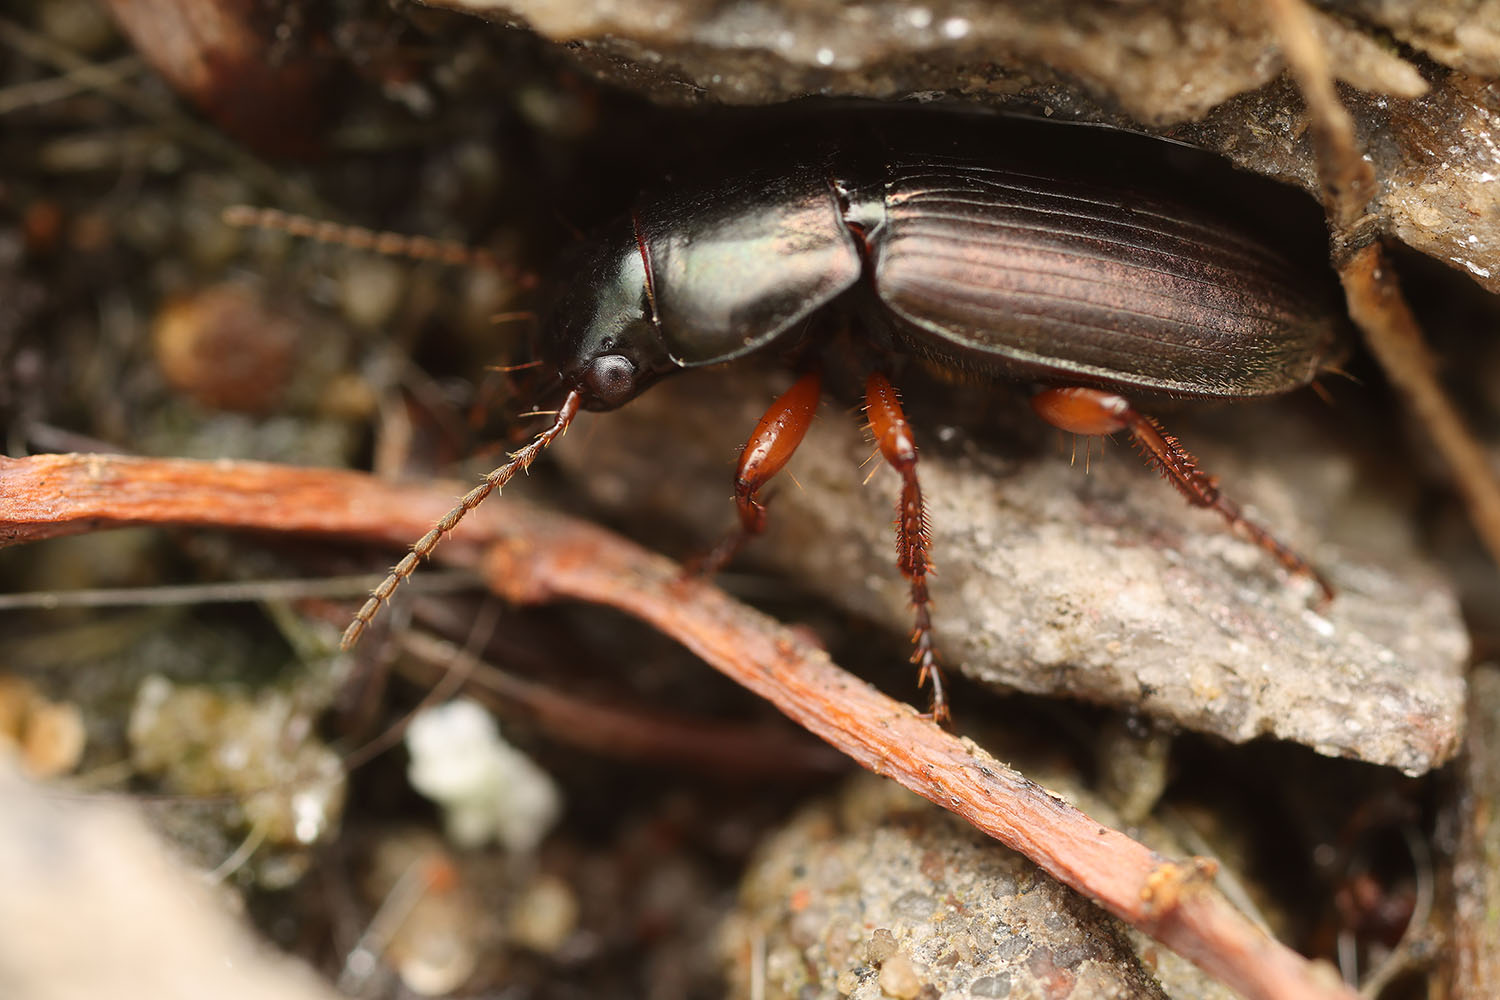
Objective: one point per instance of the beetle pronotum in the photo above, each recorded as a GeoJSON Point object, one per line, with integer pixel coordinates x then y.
{"type": "Point", "coordinates": [1095, 295]}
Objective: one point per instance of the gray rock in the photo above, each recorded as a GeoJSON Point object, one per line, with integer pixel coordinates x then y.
{"type": "Point", "coordinates": [1205, 72]}
{"type": "Point", "coordinates": [1102, 586]}
{"type": "Point", "coordinates": [880, 894]}
{"type": "Point", "coordinates": [96, 905]}
{"type": "Point", "coordinates": [1160, 63]}
{"type": "Point", "coordinates": [1464, 34]}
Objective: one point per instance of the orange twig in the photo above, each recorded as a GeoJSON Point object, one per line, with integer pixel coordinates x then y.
{"type": "Point", "coordinates": [1370, 286]}
{"type": "Point", "coordinates": [1174, 902]}
{"type": "Point", "coordinates": [537, 556]}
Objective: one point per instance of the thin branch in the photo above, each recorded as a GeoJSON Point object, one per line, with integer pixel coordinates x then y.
{"type": "Point", "coordinates": [1172, 901]}
{"type": "Point", "coordinates": [48, 496]}
{"type": "Point", "coordinates": [236, 592]}
{"type": "Point", "coordinates": [1347, 179]}
{"type": "Point", "coordinates": [537, 556]}
{"type": "Point", "coordinates": [1395, 338]}
{"type": "Point", "coordinates": [35, 93]}
{"type": "Point", "coordinates": [733, 750]}
{"type": "Point", "coordinates": [1370, 285]}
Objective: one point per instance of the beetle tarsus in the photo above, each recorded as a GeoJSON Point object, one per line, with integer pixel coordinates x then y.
{"type": "Point", "coordinates": [898, 446]}
{"type": "Point", "coordinates": [925, 657]}
{"type": "Point", "coordinates": [1180, 468]}
{"type": "Point", "coordinates": [1084, 410]}
{"type": "Point", "coordinates": [520, 461]}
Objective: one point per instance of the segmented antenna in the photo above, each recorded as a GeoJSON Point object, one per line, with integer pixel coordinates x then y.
{"type": "Point", "coordinates": [520, 461]}
{"type": "Point", "coordinates": [359, 238]}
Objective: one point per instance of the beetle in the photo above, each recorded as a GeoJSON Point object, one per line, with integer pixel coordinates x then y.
{"type": "Point", "coordinates": [958, 258]}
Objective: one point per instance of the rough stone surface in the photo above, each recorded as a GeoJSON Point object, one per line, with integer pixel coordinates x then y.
{"type": "Point", "coordinates": [95, 905]}
{"type": "Point", "coordinates": [1206, 72]}
{"type": "Point", "coordinates": [880, 894]}
{"type": "Point", "coordinates": [1436, 158]}
{"type": "Point", "coordinates": [260, 749]}
{"type": "Point", "coordinates": [1464, 34]}
{"type": "Point", "coordinates": [1103, 586]}
{"type": "Point", "coordinates": [1159, 63]}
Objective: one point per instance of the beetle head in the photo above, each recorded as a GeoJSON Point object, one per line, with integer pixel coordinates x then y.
{"type": "Point", "coordinates": [601, 335]}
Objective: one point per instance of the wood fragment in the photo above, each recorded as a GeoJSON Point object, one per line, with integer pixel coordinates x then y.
{"type": "Point", "coordinates": [1476, 870]}
{"type": "Point", "coordinates": [1171, 901]}
{"type": "Point", "coordinates": [538, 556]}
{"type": "Point", "coordinates": [1374, 296]}
{"type": "Point", "coordinates": [1395, 338]}
{"type": "Point", "coordinates": [733, 751]}
{"type": "Point", "coordinates": [48, 496]}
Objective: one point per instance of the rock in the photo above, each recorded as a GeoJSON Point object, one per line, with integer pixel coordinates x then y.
{"type": "Point", "coordinates": [881, 895]}
{"type": "Point", "coordinates": [435, 947]}
{"type": "Point", "coordinates": [259, 749]}
{"type": "Point", "coordinates": [1161, 64]}
{"type": "Point", "coordinates": [45, 738]}
{"type": "Point", "coordinates": [1206, 72]}
{"type": "Point", "coordinates": [226, 347]}
{"type": "Point", "coordinates": [95, 905]}
{"type": "Point", "coordinates": [1103, 585]}
{"type": "Point", "coordinates": [1464, 34]}
{"type": "Point", "coordinates": [489, 791]}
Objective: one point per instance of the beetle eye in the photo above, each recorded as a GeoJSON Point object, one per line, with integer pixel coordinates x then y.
{"type": "Point", "coordinates": [610, 379]}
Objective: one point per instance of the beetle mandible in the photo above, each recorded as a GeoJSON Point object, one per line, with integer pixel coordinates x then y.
{"type": "Point", "coordinates": [1096, 296]}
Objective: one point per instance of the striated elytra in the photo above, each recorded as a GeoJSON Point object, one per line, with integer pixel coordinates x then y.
{"type": "Point", "coordinates": [964, 258]}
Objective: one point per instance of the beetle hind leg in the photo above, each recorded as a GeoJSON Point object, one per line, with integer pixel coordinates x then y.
{"type": "Point", "coordinates": [770, 446]}
{"type": "Point", "coordinates": [913, 539]}
{"type": "Point", "coordinates": [1094, 411]}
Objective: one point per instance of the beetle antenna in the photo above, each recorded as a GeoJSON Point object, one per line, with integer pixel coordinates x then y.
{"type": "Point", "coordinates": [509, 369]}
{"type": "Point", "coordinates": [514, 316]}
{"type": "Point", "coordinates": [390, 244]}
{"type": "Point", "coordinates": [520, 461]}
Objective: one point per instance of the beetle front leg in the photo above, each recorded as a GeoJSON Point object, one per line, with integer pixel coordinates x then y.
{"type": "Point", "coordinates": [771, 445]}
{"type": "Point", "coordinates": [898, 447]}
{"type": "Point", "coordinates": [1094, 411]}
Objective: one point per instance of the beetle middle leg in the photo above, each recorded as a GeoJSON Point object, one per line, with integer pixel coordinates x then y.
{"type": "Point", "coordinates": [898, 447]}
{"type": "Point", "coordinates": [1095, 411]}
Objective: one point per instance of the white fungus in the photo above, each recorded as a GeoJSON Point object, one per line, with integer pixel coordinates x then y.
{"type": "Point", "coordinates": [489, 790]}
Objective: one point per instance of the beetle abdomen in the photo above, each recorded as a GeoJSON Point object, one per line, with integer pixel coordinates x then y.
{"type": "Point", "coordinates": [998, 270]}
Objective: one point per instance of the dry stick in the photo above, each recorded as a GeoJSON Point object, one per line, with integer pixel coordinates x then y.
{"type": "Point", "coordinates": [236, 592]}
{"type": "Point", "coordinates": [538, 556]}
{"type": "Point", "coordinates": [1395, 338]}
{"type": "Point", "coordinates": [48, 496]}
{"type": "Point", "coordinates": [1476, 876]}
{"type": "Point", "coordinates": [1174, 902]}
{"type": "Point", "coordinates": [724, 750]}
{"type": "Point", "coordinates": [1370, 286]}
{"type": "Point", "coordinates": [1347, 179]}
{"type": "Point", "coordinates": [37, 93]}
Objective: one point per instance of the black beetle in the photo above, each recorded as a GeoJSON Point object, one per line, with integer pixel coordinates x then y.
{"type": "Point", "coordinates": [958, 258]}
